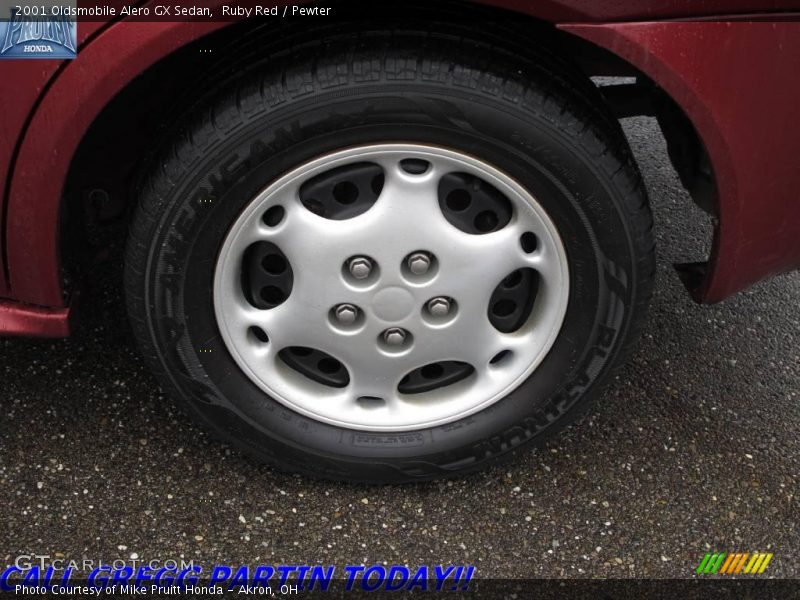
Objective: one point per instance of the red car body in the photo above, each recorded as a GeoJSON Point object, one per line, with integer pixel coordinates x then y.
{"type": "Point", "coordinates": [731, 66]}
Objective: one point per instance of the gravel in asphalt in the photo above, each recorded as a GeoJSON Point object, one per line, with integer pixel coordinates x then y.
{"type": "Point", "coordinates": [693, 447]}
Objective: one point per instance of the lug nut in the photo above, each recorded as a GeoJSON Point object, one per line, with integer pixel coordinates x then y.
{"type": "Point", "coordinates": [346, 314]}
{"type": "Point", "coordinates": [419, 263]}
{"type": "Point", "coordinates": [394, 336]}
{"type": "Point", "coordinates": [439, 307]}
{"type": "Point", "coordinates": [360, 267]}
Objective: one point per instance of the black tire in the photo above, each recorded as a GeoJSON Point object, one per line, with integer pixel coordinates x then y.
{"type": "Point", "coordinates": [534, 121]}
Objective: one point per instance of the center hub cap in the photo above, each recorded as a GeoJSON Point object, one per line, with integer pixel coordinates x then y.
{"type": "Point", "coordinates": [393, 304]}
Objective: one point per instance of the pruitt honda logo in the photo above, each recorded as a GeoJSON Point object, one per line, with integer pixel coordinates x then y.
{"type": "Point", "coordinates": [38, 37]}
{"type": "Point", "coordinates": [734, 563]}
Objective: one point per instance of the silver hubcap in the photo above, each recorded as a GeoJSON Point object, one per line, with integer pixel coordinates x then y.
{"type": "Point", "coordinates": [425, 303]}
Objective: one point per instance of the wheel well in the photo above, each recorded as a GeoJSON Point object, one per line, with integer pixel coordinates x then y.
{"type": "Point", "coordinates": [114, 152]}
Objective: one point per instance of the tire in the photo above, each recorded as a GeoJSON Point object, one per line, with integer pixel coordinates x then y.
{"type": "Point", "coordinates": [527, 133]}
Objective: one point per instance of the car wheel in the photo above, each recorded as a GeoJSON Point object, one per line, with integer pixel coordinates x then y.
{"type": "Point", "coordinates": [396, 262]}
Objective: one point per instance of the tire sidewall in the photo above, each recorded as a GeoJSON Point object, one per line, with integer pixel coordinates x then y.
{"type": "Point", "coordinates": [215, 186]}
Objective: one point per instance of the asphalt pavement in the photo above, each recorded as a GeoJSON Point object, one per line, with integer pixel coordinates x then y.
{"type": "Point", "coordinates": [693, 448]}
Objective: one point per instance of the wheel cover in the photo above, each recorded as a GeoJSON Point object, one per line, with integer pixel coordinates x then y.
{"type": "Point", "coordinates": [391, 287]}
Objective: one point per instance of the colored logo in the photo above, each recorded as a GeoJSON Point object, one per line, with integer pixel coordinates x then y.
{"type": "Point", "coordinates": [734, 563]}
{"type": "Point", "coordinates": [52, 36]}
